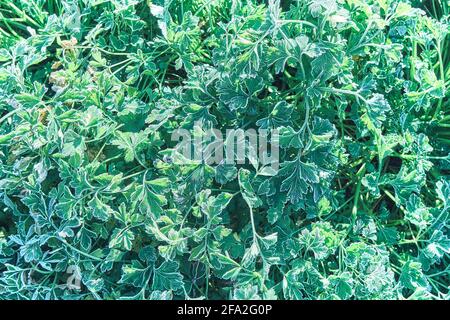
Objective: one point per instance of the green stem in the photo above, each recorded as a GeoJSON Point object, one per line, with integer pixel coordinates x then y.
{"type": "Point", "coordinates": [442, 76]}
{"type": "Point", "coordinates": [87, 255]}
{"type": "Point", "coordinates": [9, 114]}
{"type": "Point", "coordinates": [414, 56]}
{"type": "Point", "coordinates": [359, 174]}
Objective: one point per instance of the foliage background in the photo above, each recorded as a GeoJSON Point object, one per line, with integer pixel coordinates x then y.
{"type": "Point", "coordinates": [91, 90]}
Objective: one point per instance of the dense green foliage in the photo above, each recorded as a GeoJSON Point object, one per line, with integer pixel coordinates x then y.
{"type": "Point", "coordinates": [91, 91]}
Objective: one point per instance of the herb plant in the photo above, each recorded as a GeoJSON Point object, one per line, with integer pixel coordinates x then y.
{"type": "Point", "coordinates": [94, 205]}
